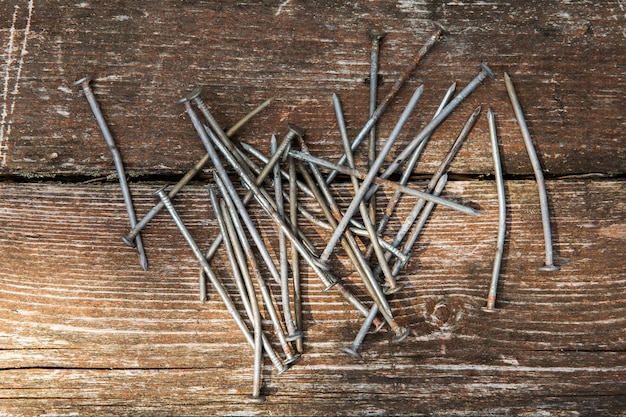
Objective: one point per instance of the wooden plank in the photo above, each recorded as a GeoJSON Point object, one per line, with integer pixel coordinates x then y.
{"type": "Point", "coordinates": [567, 60]}
{"type": "Point", "coordinates": [84, 330]}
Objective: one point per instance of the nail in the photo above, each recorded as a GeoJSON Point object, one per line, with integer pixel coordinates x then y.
{"type": "Point", "coordinates": [408, 171]}
{"type": "Point", "coordinates": [419, 225]}
{"type": "Point", "coordinates": [441, 169]}
{"type": "Point", "coordinates": [119, 166]}
{"type": "Point", "coordinates": [130, 237]}
{"type": "Point", "coordinates": [485, 72]}
{"type": "Point", "coordinates": [254, 267]}
{"type": "Point", "coordinates": [371, 230]}
{"type": "Point", "coordinates": [375, 37]}
{"type": "Point", "coordinates": [358, 340]}
{"type": "Point", "coordinates": [491, 297]}
{"type": "Point", "coordinates": [259, 195]}
{"type": "Point", "coordinates": [264, 159]}
{"type": "Point", "coordinates": [388, 98]}
{"type": "Point", "coordinates": [367, 181]}
{"type": "Point", "coordinates": [217, 285]}
{"type": "Point", "coordinates": [291, 335]}
{"type": "Point", "coordinates": [384, 182]}
{"type": "Point", "coordinates": [295, 258]}
{"type": "Point", "coordinates": [534, 160]}
{"type": "Point", "coordinates": [250, 303]}
{"type": "Point", "coordinates": [240, 257]}
{"type": "Point", "coordinates": [257, 170]}
{"type": "Point", "coordinates": [330, 209]}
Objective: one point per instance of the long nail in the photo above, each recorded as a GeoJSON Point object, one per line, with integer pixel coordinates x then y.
{"type": "Point", "coordinates": [384, 182]}
{"type": "Point", "coordinates": [373, 172]}
{"type": "Point", "coordinates": [240, 257]}
{"type": "Point", "coordinates": [441, 169]}
{"type": "Point", "coordinates": [376, 37]}
{"type": "Point", "coordinates": [217, 285]}
{"type": "Point", "coordinates": [292, 335]}
{"type": "Point", "coordinates": [254, 267]}
{"type": "Point", "coordinates": [221, 171]}
{"type": "Point", "coordinates": [534, 160]}
{"type": "Point", "coordinates": [295, 258]}
{"type": "Point", "coordinates": [485, 72]}
{"type": "Point", "coordinates": [250, 303]}
{"type": "Point", "coordinates": [293, 132]}
{"type": "Point", "coordinates": [253, 188]}
{"type": "Point", "coordinates": [419, 225]}
{"type": "Point", "coordinates": [129, 239]}
{"type": "Point", "coordinates": [119, 166]}
{"type": "Point", "coordinates": [408, 171]}
{"type": "Point", "coordinates": [365, 215]}
{"type": "Point", "coordinates": [388, 98]}
{"type": "Point", "coordinates": [491, 297]}
{"type": "Point", "coordinates": [330, 209]}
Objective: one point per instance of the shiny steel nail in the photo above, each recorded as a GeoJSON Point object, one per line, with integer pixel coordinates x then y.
{"type": "Point", "coordinates": [485, 72]}
{"type": "Point", "coordinates": [119, 165]}
{"type": "Point", "coordinates": [129, 239]}
{"type": "Point", "coordinates": [388, 98]}
{"type": "Point", "coordinates": [534, 160]}
{"type": "Point", "coordinates": [367, 181]}
{"type": "Point", "coordinates": [254, 268]}
{"type": "Point", "coordinates": [250, 303]}
{"type": "Point", "coordinates": [491, 297]}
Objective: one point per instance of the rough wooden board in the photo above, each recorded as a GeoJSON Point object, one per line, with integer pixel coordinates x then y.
{"type": "Point", "coordinates": [566, 58]}
{"type": "Point", "coordinates": [85, 330]}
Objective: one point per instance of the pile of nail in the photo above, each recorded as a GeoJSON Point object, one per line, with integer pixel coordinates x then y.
{"type": "Point", "coordinates": [237, 164]}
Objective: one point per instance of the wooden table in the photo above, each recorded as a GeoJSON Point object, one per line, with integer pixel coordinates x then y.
{"type": "Point", "coordinates": [83, 329]}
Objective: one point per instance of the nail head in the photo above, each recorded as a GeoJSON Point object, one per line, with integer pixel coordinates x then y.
{"type": "Point", "coordinates": [487, 70]}
{"type": "Point", "coordinates": [351, 351]}
{"type": "Point", "coordinates": [80, 82]}
{"type": "Point", "coordinates": [194, 93]}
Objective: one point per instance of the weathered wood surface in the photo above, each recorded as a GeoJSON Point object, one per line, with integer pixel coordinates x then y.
{"type": "Point", "coordinates": [84, 330]}
{"type": "Point", "coordinates": [567, 59]}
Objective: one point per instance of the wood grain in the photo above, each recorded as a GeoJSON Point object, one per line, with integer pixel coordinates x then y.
{"type": "Point", "coordinates": [85, 330]}
{"type": "Point", "coordinates": [566, 59]}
